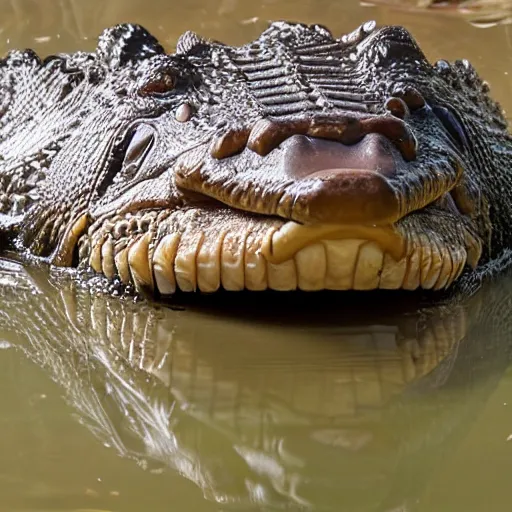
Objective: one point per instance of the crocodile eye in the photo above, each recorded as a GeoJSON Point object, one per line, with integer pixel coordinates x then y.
{"type": "Point", "coordinates": [452, 125]}
{"type": "Point", "coordinates": [160, 85]}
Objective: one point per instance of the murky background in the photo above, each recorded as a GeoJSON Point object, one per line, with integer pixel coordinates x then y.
{"type": "Point", "coordinates": [284, 403]}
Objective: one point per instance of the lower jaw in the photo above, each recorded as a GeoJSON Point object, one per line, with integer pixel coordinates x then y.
{"type": "Point", "coordinates": [198, 250]}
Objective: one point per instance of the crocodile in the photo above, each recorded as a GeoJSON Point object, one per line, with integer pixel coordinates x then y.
{"type": "Point", "coordinates": [299, 160]}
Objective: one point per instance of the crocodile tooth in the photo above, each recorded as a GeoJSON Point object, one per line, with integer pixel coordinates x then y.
{"type": "Point", "coordinates": [446, 269]}
{"type": "Point", "coordinates": [139, 263]}
{"type": "Point", "coordinates": [64, 253]}
{"type": "Point", "coordinates": [282, 276]}
{"type": "Point", "coordinates": [95, 257]}
{"type": "Point", "coordinates": [412, 275]}
{"type": "Point", "coordinates": [311, 263]}
{"type": "Point", "coordinates": [430, 276]}
{"type": "Point", "coordinates": [426, 258]}
{"type": "Point", "coordinates": [393, 273]}
{"type": "Point", "coordinates": [208, 263]}
{"type": "Point", "coordinates": [107, 258]}
{"type": "Point", "coordinates": [123, 269]}
{"type": "Point", "coordinates": [232, 261]}
{"type": "Point", "coordinates": [369, 266]}
{"type": "Point", "coordinates": [341, 263]}
{"type": "Point", "coordinates": [185, 262]}
{"type": "Point", "coordinates": [291, 237]}
{"type": "Point", "coordinates": [255, 264]}
{"type": "Point", "coordinates": [459, 260]}
{"type": "Point", "coordinates": [163, 263]}
{"type": "Point", "coordinates": [474, 249]}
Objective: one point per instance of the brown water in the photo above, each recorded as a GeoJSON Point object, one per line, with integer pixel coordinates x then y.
{"type": "Point", "coordinates": [282, 403]}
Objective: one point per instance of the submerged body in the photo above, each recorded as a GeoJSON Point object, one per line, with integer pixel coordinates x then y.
{"type": "Point", "coordinates": [297, 161]}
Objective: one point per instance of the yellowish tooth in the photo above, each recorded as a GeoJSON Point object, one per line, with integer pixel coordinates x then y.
{"type": "Point", "coordinates": [64, 254]}
{"type": "Point", "coordinates": [369, 265]}
{"type": "Point", "coordinates": [426, 257]}
{"type": "Point", "coordinates": [107, 258]}
{"type": "Point", "coordinates": [139, 264]}
{"type": "Point", "coordinates": [291, 237]}
{"type": "Point", "coordinates": [123, 269]}
{"type": "Point", "coordinates": [431, 276]}
{"type": "Point", "coordinates": [459, 260]}
{"type": "Point", "coordinates": [208, 263]}
{"type": "Point", "coordinates": [311, 263]}
{"type": "Point", "coordinates": [446, 269]}
{"type": "Point", "coordinates": [282, 276]}
{"type": "Point", "coordinates": [95, 257]}
{"type": "Point", "coordinates": [255, 264]}
{"type": "Point", "coordinates": [185, 262]}
{"type": "Point", "coordinates": [393, 273]}
{"type": "Point", "coordinates": [341, 263]}
{"type": "Point", "coordinates": [474, 249]}
{"type": "Point", "coordinates": [163, 263]}
{"type": "Point", "coordinates": [412, 275]}
{"type": "Point", "coordinates": [232, 261]}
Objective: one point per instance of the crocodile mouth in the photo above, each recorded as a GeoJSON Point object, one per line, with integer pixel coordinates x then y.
{"type": "Point", "coordinates": [212, 248]}
{"type": "Point", "coordinates": [366, 243]}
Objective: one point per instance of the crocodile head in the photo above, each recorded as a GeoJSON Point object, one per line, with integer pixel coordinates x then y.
{"type": "Point", "coordinates": [297, 161]}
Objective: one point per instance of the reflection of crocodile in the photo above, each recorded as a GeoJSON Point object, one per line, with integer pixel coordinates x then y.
{"type": "Point", "coordinates": [296, 161]}
{"type": "Point", "coordinates": [265, 414]}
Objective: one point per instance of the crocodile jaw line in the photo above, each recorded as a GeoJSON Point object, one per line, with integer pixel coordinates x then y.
{"type": "Point", "coordinates": [255, 253]}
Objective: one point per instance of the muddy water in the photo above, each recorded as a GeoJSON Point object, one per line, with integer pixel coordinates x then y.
{"type": "Point", "coordinates": [282, 403]}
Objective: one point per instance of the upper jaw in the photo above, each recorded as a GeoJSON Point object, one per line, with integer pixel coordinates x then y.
{"type": "Point", "coordinates": [341, 222]}
{"type": "Point", "coordinates": [340, 169]}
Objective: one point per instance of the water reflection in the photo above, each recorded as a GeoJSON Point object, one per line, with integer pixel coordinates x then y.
{"type": "Point", "coordinates": [277, 403]}
{"type": "Point", "coordinates": [480, 13]}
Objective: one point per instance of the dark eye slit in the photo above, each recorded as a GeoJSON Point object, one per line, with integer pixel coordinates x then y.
{"type": "Point", "coordinates": [452, 125]}
{"type": "Point", "coordinates": [114, 162]}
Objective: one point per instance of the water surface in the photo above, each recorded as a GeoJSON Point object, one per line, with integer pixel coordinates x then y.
{"type": "Point", "coordinates": [283, 403]}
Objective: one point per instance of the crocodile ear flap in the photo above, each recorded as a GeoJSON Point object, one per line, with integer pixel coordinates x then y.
{"type": "Point", "coordinates": [125, 43]}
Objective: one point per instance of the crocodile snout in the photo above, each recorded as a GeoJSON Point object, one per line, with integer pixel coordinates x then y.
{"type": "Point", "coordinates": [335, 182]}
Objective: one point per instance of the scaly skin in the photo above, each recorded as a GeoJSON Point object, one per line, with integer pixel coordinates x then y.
{"type": "Point", "coordinates": [296, 161]}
